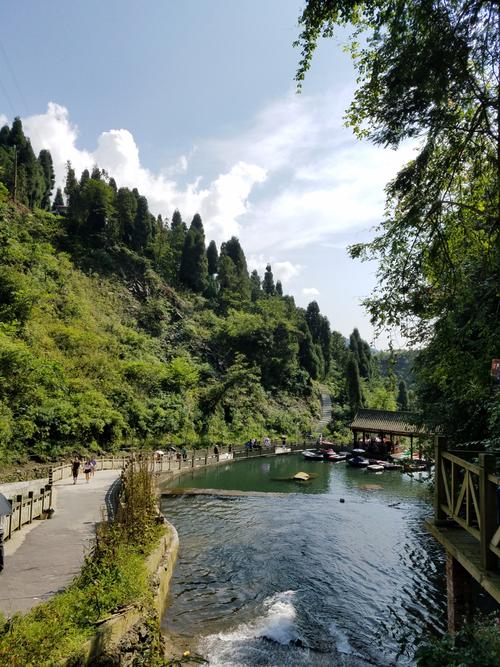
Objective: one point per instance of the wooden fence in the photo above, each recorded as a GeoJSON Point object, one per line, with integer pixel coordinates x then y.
{"type": "Point", "coordinates": [467, 493]}
{"type": "Point", "coordinates": [25, 509]}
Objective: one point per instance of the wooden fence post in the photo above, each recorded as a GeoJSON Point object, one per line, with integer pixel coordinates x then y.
{"type": "Point", "coordinates": [439, 489]}
{"type": "Point", "coordinates": [30, 496]}
{"type": "Point", "coordinates": [487, 510]}
{"type": "Point", "coordinates": [51, 476]}
{"type": "Point", "coordinates": [19, 499]}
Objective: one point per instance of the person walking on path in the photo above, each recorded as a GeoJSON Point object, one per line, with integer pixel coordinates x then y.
{"type": "Point", "coordinates": [216, 452]}
{"type": "Point", "coordinates": [93, 463]}
{"type": "Point", "coordinates": [75, 469]}
{"type": "Point", "coordinates": [87, 469]}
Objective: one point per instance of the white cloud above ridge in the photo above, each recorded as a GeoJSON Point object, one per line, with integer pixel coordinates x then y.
{"type": "Point", "coordinates": [310, 291]}
{"type": "Point", "coordinates": [294, 178]}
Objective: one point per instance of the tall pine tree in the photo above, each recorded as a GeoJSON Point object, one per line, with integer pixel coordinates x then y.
{"type": "Point", "coordinates": [193, 270]}
{"type": "Point", "coordinates": [212, 258]}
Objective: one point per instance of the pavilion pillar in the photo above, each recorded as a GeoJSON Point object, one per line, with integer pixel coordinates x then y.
{"type": "Point", "coordinates": [459, 593]}
{"type": "Point", "coordinates": [411, 447]}
{"type": "Point", "coordinates": [364, 438]}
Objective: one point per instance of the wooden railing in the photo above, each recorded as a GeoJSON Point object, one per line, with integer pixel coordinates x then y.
{"type": "Point", "coordinates": [106, 463]}
{"type": "Point", "coordinates": [25, 509]}
{"type": "Point", "coordinates": [466, 493]}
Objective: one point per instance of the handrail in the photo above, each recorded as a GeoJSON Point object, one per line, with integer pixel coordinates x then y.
{"type": "Point", "coordinates": [25, 509]}
{"type": "Point", "coordinates": [466, 493]}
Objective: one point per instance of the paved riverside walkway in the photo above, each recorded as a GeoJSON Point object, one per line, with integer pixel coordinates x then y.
{"type": "Point", "coordinates": [46, 556]}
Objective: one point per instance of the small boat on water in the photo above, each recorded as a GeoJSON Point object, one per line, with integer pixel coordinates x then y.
{"type": "Point", "coordinates": [358, 452]}
{"type": "Point", "coordinates": [392, 466]}
{"type": "Point", "coordinates": [333, 456]}
{"type": "Point", "coordinates": [312, 455]}
{"type": "Point", "coordinates": [375, 467]}
{"type": "Point", "coordinates": [358, 462]}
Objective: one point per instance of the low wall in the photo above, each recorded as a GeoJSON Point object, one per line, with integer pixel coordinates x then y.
{"type": "Point", "coordinates": [119, 638]}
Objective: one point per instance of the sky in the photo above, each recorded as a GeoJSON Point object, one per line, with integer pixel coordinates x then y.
{"type": "Point", "coordinates": [194, 103]}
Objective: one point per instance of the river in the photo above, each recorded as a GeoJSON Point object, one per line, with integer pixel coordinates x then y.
{"type": "Point", "coordinates": [297, 577]}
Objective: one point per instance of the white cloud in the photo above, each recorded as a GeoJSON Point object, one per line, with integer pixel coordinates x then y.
{"type": "Point", "coordinates": [294, 178]}
{"type": "Point", "coordinates": [3, 119]}
{"type": "Point", "coordinates": [220, 204]}
{"type": "Point", "coordinates": [282, 270]}
{"type": "Point", "coordinates": [310, 291]}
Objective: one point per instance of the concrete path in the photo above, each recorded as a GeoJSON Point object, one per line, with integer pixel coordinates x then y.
{"type": "Point", "coordinates": [46, 556]}
{"type": "Point", "coordinates": [326, 411]}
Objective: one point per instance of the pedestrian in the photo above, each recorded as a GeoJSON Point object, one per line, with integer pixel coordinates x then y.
{"type": "Point", "coordinates": [184, 453]}
{"type": "Point", "coordinates": [216, 452]}
{"type": "Point", "coordinates": [87, 469]}
{"type": "Point", "coordinates": [75, 469]}
{"type": "Point", "coordinates": [93, 463]}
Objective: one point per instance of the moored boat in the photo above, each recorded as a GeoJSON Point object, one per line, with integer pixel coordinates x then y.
{"type": "Point", "coordinates": [358, 462]}
{"type": "Point", "coordinates": [312, 455]}
{"type": "Point", "coordinates": [335, 457]}
{"type": "Point", "coordinates": [375, 467]}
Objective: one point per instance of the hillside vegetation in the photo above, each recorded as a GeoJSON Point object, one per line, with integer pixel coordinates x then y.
{"type": "Point", "coordinates": [117, 326]}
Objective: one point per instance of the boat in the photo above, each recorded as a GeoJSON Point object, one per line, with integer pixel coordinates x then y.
{"type": "Point", "coordinates": [312, 455]}
{"type": "Point", "coordinates": [375, 467]}
{"type": "Point", "coordinates": [392, 466]}
{"type": "Point", "coordinates": [358, 462]}
{"type": "Point", "coordinates": [358, 452]}
{"type": "Point", "coordinates": [335, 457]}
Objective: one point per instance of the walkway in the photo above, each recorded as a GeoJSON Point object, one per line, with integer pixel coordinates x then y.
{"type": "Point", "coordinates": [46, 556]}
{"type": "Point", "coordinates": [326, 410]}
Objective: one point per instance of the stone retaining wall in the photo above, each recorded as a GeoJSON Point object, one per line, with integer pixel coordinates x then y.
{"type": "Point", "coordinates": [126, 634]}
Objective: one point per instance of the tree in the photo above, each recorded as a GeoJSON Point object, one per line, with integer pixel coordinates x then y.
{"type": "Point", "coordinates": [268, 282]}
{"type": "Point", "coordinates": [255, 286]}
{"type": "Point", "coordinates": [45, 161]}
{"type": "Point", "coordinates": [279, 288]}
{"type": "Point", "coordinates": [431, 70]}
{"type": "Point", "coordinates": [212, 258]}
{"type": "Point", "coordinates": [143, 224]}
{"type": "Point", "coordinates": [178, 231]}
{"type": "Point", "coordinates": [354, 390]}
{"type": "Point", "coordinates": [403, 401]}
{"type": "Point", "coordinates": [58, 200]}
{"type": "Point", "coordinates": [126, 209]}
{"type": "Point", "coordinates": [193, 271]}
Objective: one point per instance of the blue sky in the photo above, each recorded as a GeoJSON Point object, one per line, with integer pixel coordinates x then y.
{"type": "Point", "coordinates": [194, 103]}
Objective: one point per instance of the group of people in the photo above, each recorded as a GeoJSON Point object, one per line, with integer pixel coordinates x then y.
{"type": "Point", "coordinates": [88, 469]}
{"type": "Point", "coordinates": [253, 443]}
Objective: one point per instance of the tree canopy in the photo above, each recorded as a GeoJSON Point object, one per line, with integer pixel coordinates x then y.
{"type": "Point", "coordinates": [429, 73]}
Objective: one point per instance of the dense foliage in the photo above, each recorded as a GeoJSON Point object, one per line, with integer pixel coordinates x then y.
{"type": "Point", "coordinates": [430, 72]}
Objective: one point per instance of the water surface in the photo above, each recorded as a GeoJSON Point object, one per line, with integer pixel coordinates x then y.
{"type": "Point", "coordinates": [302, 578]}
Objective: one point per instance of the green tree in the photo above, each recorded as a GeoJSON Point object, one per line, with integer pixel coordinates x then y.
{"type": "Point", "coordinates": [432, 70]}
{"type": "Point", "coordinates": [268, 282]}
{"type": "Point", "coordinates": [353, 380]}
{"type": "Point", "coordinates": [45, 161]}
{"type": "Point", "coordinates": [143, 224]}
{"type": "Point", "coordinates": [193, 271]}
{"type": "Point", "coordinates": [212, 258]}
{"type": "Point", "coordinates": [58, 200]}
{"type": "Point", "coordinates": [126, 210]}
{"type": "Point", "coordinates": [279, 288]}
{"type": "Point", "coordinates": [178, 231]}
{"type": "Point", "coordinates": [402, 400]}
{"type": "Point", "coordinates": [255, 286]}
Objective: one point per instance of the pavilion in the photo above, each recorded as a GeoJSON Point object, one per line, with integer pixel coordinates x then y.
{"type": "Point", "coordinates": [383, 423]}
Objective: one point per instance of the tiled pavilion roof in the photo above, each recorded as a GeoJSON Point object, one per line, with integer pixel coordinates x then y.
{"type": "Point", "coordinates": [387, 422]}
